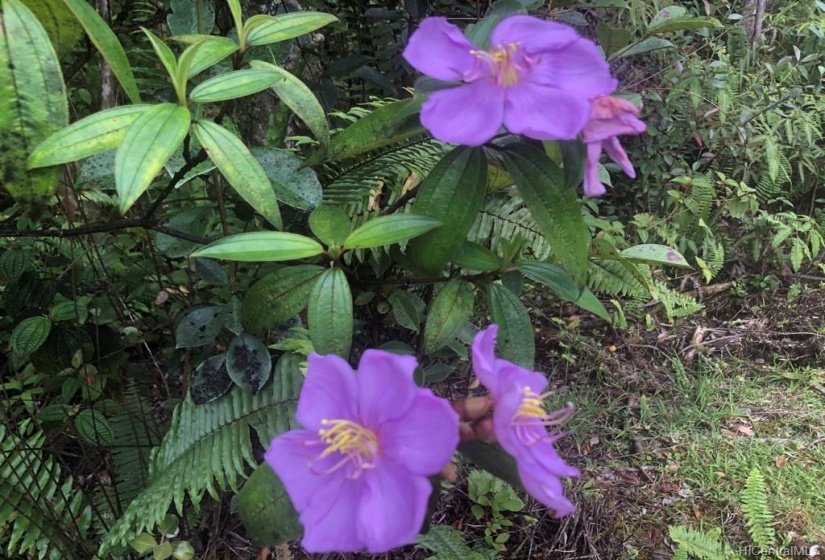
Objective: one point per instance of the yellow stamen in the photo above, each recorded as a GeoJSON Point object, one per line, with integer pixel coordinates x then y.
{"type": "Point", "coordinates": [355, 443]}
{"type": "Point", "coordinates": [503, 63]}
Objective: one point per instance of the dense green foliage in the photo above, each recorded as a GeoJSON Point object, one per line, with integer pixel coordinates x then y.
{"type": "Point", "coordinates": [236, 190]}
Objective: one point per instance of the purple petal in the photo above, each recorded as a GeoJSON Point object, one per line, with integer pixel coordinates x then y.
{"type": "Point", "coordinates": [484, 358]}
{"type": "Point", "coordinates": [532, 34]}
{"type": "Point", "coordinates": [613, 148]}
{"type": "Point", "coordinates": [544, 113]}
{"type": "Point", "coordinates": [290, 455]}
{"type": "Point", "coordinates": [425, 439]}
{"type": "Point", "coordinates": [578, 68]}
{"type": "Point", "coordinates": [393, 507]}
{"type": "Point", "coordinates": [601, 129]}
{"type": "Point", "coordinates": [329, 392]}
{"type": "Point", "coordinates": [544, 453]}
{"type": "Point", "coordinates": [592, 185]}
{"type": "Point", "coordinates": [470, 115]}
{"type": "Point", "coordinates": [439, 49]}
{"type": "Point", "coordinates": [331, 521]}
{"type": "Point", "coordinates": [385, 386]}
{"type": "Point", "coordinates": [547, 489]}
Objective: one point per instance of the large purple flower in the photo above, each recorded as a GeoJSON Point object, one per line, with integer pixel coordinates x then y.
{"type": "Point", "coordinates": [357, 472]}
{"type": "Point", "coordinates": [536, 80]}
{"type": "Point", "coordinates": [520, 422]}
{"type": "Point", "coordinates": [610, 117]}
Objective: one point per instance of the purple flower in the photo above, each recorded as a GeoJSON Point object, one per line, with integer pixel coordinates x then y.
{"type": "Point", "coordinates": [536, 80]}
{"type": "Point", "coordinates": [521, 422]}
{"type": "Point", "coordinates": [357, 472]}
{"type": "Point", "coordinates": [610, 117]}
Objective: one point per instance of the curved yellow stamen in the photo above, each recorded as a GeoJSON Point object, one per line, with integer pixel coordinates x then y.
{"type": "Point", "coordinates": [503, 63]}
{"type": "Point", "coordinates": [357, 445]}
{"type": "Point", "coordinates": [531, 413]}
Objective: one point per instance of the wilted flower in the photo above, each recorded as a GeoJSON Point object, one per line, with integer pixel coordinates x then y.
{"type": "Point", "coordinates": [521, 422]}
{"type": "Point", "coordinates": [536, 79]}
{"type": "Point", "coordinates": [610, 117]}
{"type": "Point", "coordinates": [357, 472]}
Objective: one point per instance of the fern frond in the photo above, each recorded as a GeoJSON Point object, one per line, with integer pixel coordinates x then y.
{"type": "Point", "coordinates": [507, 218]}
{"type": "Point", "coordinates": [676, 304]}
{"type": "Point", "coordinates": [705, 545]}
{"type": "Point", "coordinates": [208, 447]}
{"type": "Point", "coordinates": [613, 278]}
{"type": "Point", "coordinates": [40, 512]}
{"type": "Point", "coordinates": [758, 516]}
{"type": "Point", "coordinates": [448, 544]}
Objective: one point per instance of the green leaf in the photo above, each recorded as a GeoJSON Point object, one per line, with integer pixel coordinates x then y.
{"type": "Point", "coordinates": [641, 47]}
{"type": "Point", "coordinates": [472, 256]}
{"type": "Point", "coordinates": [295, 186]}
{"type": "Point", "coordinates": [28, 336]}
{"type": "Point", "coordinates": [266, 511]}
{"type": "Point", "coordinates": [143, 543]}
{"type": "Point", "coordinates": [612, 39]}
{"type": "Point", "coordinates": [248, 363]}
{"type": "Point", "coordinates": [278, 297]}
{"type": "Point", "coordinates": [554, 207]}
{"type": "Point", "coordinates": [165, 55]}
{"type": "Point", "coordinates": [148, 143]}
{"type": "Point", "coordinates": [655, 254]}
{"type": "Point", "coordinates": [237, 18]}
{"type": "Point", "coordinates": [241, 170]}
{"type": "Point", "coordinates": [69, 311]}
{"type": "Point", "coordinates": [185, 61]}
{"type": "Point", "coordinates": [563, 285]}
{"type": "Point", "coordinates": [210, 381]}
{"type": "Point", "coordinates": [387, 230]}
{"type": "Point", "coordinates": [265, 29]}
{"type": "Point", "coordinates": [407, 309]}
{"type": "Point", "coordinates": [515, 332]}
{"type": "Point", "coordinates": [386, 125]}
{"type": "Point", "coordinates": [212, 50]}
{"type": "Point", "coordinates": [330, 314]}
{"type": "Point", "coordinates": [299, 98]}
{"type": "Point", "coordinates": [191, 16]}
{"type": "Point", "coordinates": [92, 135]}
{"type": "Point", "coordinates": [199, 327]}
{"type": "Point", "coordinates": [233, 85]}
{"type": "Point", "coordinates": [33, 102]}
{"type": "Point", "coordinates": [59, 22]}
{"type": "Point", "coordinates": [676, 18]}
{"type": "Point", "coordinates": [264, 246]}
{"type": "Point", "coordinates": [449, 312]}
{"type": "Point", "coordinates": [452, 193]}
{"type": "Point", "coordinates": [12, 265]}
{"type": "Point", "coordinates": [330, 224]}
{"type": "Point", "coordinates": [106, 42]}
{"type": "Point", "coordinates": [493, 459]}
{"type": "Point", "coordinates": [93, 427]}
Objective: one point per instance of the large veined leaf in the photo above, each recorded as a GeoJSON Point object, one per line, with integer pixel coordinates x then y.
{"type": "Point", "coordinates": [164, 53]}
{"type": "Point", "coordinates": [92, 135]}
{"type": "Point", "coordinates": [190, 16]}
{"type": "Point", "coordinates": [515, 332]}
{"type": "Point", "coordinates": [265, 29]}
{"type": "Point", "coordinates": [248, 362]}
{"type": "Point", "coordinates": [386, 230]}
{"type": "Point", "coordinates": [299, 98]}
{"type": "Point", "coordinates": [554, 207]}
{"type": "Point", "coordinates": [63, 28]}
{"type": "Point", "coordinates": [330, 224]}
{"type": "Point", "coordinates": [279, 296]}
{"type": "Point", "coordinates": [295, 186]}
{"type": "Point", "coordinates": [105, 41]}
{"type": "Point", "coordinates": [449, 312]}
{"type": "Point", "coordinates": [386, 125]}
{"type": "Point", "coordinates": [32, 101]}
{"type": "Point", "coordinates": [265, 509]}
{"type": "Point", "coordinates": [453, 193]}
{"type": "Point", "coordinates": [330, 314]}
{"type": "Point", "coordinates": [563, 285]}
{"type": "Point", "coordinates": [207, 448]}
{"type": "Point", "coordinates": [263, 246]}
{"type": "Point", "coordinates": [233, 85]}
{"type": "Point", "coordinates": [148, 143]}
{"type": "Point", "coordinates": [240, 168]}
{"type": "Point", "coordinates": [28, 336]}
{"type": "Point", "coordinates": [650, 253]}
{"type": "Point", "coordinates": [212, 50]}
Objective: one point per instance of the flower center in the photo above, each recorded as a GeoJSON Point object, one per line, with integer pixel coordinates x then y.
{"type": "Point", "coordinates": [357, 446]}
{"type": "Point", "coordinates": [507, 63]}
{"type": "Point", "coordinates": [531, 419]}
